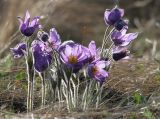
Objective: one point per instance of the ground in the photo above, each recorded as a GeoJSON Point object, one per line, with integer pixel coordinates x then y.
{"type": "Point", "coordinates": [132, 92]}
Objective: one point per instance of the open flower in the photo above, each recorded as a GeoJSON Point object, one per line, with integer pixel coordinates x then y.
{"type": "Point", "coordinates": [112, 16]}
{"type": "Point", "coordinates": [19, 50]}
{"type": "Point", "coordinates": [97, 70]}
{"type": "Point", "coordinates": [120, 53]}
{"type": "Point", "coordinates": [73, 56]}
{"type": "Point", "coordinates": [42, 58]}
{"type": "Point", "coordinates": [120, 38]}
{"type": "Point", "coordinates": [28, 26]}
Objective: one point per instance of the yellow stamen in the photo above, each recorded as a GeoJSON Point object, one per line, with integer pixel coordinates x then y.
{"type": "Point", "coordinates": [94, 70]}
{"type": "Point", "coordinates": [72, 59]}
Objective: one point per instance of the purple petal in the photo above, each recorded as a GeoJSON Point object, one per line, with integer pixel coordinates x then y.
{"type": "Point", "coordinates": [101, 75]}
{"type": "Point", "coordinates": [76, 51]}
{"type": "Point", "coordinates": [54, 36]}
{"type": "Point", "coordinates": [20, 20]}
{"type": "Point", "coordinates": [106, 14]}
{"type": "Point", "coordinates": [124, 31]}
{"type": "Point", "coordinates": [68, 50]}
{"type": "Point", "coordinates": [121, 12]}
{"type": "Point", "coordinates": [128, 38]}
{"type": "Point", "coordinates": [101, 64]}
{"type": "Point", "coordinates": [34, 22]}
{"type": "Point", "coordinates": [63, 45]}
{"type": "Point", "coordinates": [92, 48]}
{"type": "Point", "coordinates": [116, 35]}
{"type": "Point", "coordinates": [27, 17]}
{"type": "Point", "coordinates": [64, 58]}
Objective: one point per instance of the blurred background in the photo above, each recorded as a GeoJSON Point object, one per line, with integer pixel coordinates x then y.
{"type": "Point", "coordinates": [82, 21]}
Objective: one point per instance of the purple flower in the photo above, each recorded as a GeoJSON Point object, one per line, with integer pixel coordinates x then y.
{"type": "Point", "coordinates": [120, 53]}
{"type": "Point", "coordinates": [42, 58]}
{"type": "Point", "coordinates": [19, 50]}
{"type": "Point", "coordinates": [120, 38]}
{"type": "Point", "coordinates": [27, 27]}
{"type": "Point", "coordinates": [73, 56]}
{"type": "Point", "coordinates": [97, 70]}
{"type": "Point", "coordinates": [112, 16]}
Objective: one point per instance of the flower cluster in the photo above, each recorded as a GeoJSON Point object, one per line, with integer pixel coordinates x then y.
{"type": "Point", "coordinates": [72, 55]}
{"type": "Point", "coordinates": [75, 57]}
{"type": "Point", "coordinates": [120, 39]}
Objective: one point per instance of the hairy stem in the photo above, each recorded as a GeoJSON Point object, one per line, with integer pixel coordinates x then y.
{"type": "Point", "coordinates": [30, 76]}
{"type": "Point", "coordinates": [42, 76]}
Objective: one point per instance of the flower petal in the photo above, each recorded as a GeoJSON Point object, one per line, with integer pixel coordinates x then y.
{"type": "Point", "coordinates": [27, 18]}
{"type": "Point", "coordinates": [68, 50]}
{"type": "Point", "coordinates": [92, 48]}
{"type": "Point", "coordinates": [34, 22]}
{"type": "Point", "coordinates": [128, 38]}
{"type": "Point", "coordinates": [54, 36]}
{"type": "Point", "coordinates": [101, 75]}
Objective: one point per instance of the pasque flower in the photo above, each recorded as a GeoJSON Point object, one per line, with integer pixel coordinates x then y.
{"type": "Point", "coordinates": [113, 15]}
{"type": "Point", "coordinates": [120, 38]}
{"type": "Point", "coordinates": [19, 50]}
{"type": "Point", "coordinates": [96, 70]}
{"type": "Point", "coordinates": [73, 55]}
{"type": "Point", "coordinates": [28, 26]}
{"type": "Point", "coordinates": [119, 53]}
{"type": "Point", "coordinates": [42, 58]}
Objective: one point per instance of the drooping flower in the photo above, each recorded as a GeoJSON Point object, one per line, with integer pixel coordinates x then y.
{"type": "Point", "coordinates": [28, 26]}
{"type": "Point", "coordinates": [43, 36]}
{"type": "Point", "coordinates": [19, 50]}
{"type": "Point", "coordinates": [121, 24]}
{"type": "Point", "coordinates": [73, 56]}
{"type": "Point", "coordinates": [120, 53]}
{"type": "Point", "coordinates": [112, 16]}
{"type": "Point", "coordinates": [96, 70]}
{"type": "Point", "coordinates": [120, 38]}
{"type": "Point", "coordinates": [42, 58]}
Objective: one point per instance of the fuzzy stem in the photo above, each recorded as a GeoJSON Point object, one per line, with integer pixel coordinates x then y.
{"type": "Point", "coordinates": [42, 76]}
{"type": "Point", "coordinates": [105, 41]}
{"type": "Point", "coordinates": [30, 76]}
{"type": "Point", "coordinates": [104, 38]}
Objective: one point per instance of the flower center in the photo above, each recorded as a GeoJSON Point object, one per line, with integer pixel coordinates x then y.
{"type": "Point", "coordinates": [94, 70]}
{"type": "Point", "coordinates": [72, 59]}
